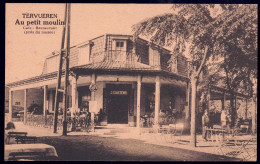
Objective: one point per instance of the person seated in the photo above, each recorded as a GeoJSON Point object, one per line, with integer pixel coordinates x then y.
{"type": "Point", "coordinates": [9, 128]}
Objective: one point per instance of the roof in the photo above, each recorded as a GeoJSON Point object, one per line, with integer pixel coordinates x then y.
{"type": "Point", "coordinates": [41, 77]}
{"type": "Point", "coordinates": [117, 65]}
{"type": "Point", "coordinates": [125, 66]}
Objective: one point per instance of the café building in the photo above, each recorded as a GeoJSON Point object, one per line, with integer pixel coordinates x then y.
{"type": "Point", "coordinates": [120, 78]}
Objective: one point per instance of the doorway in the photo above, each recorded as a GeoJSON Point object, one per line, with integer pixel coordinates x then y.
{"type": "Point", "coordinates": [118, 103]}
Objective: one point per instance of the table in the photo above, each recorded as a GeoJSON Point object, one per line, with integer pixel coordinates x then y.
{"type": "Point", "coordinates": [215, 131]}
{"type": "Point", "coordinates": [48, 150]}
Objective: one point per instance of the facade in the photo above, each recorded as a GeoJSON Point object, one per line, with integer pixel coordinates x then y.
{"type": "Point", "coordinates": [131, 78]}
{"type": "Point", "coordinates": [121, 79]}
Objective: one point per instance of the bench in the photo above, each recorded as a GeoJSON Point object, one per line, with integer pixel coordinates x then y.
{"type": "Point", "coordinates": [15, 134]}
{"type": "Point", "coordinates": [24, 139]}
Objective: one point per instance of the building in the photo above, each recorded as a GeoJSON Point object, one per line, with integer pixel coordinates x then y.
{"type": "Point", "coordinates": [118, 77]}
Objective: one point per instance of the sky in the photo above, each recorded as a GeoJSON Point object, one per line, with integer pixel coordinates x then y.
{"type": "Point", "coordinates": [25, 52]}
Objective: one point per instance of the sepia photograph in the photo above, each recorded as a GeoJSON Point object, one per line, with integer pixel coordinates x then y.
{"type": "Point", "coordinates": [130, 82]}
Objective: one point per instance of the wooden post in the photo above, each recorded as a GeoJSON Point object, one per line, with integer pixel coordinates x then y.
{"type": "Point", "coordinates": [93, 82]}
{"type": "Point", "coordinates": [138, 101]}
{"type": "Point", "coordinates": [253, 113]}
{"type": "Point", "coordinates": [25, 107]}
{"type": "Point", "coordinates": [187, 107]}
{"type": "Point", "coordinates": [157, 100]}
{"type": "Point", "coordinates": [56, 106]}
{"type": "Point", "coordinates": [74, 92]}
{"type": "Point", "coordinates": [193, 111]}
{"type": "Point", "coordinates": [65, 95]}
{"type": "Point", "coordinates": [45, 92]}
{"type": "Point", "coordinates": [246, 108]}
{"type": "Point", "coordinates": [224, 101]}
{"type": "Point", "coordinates": [11, 105]}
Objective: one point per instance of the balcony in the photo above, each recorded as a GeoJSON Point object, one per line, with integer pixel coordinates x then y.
{"type": "Point", "coordinates": [113, 55]}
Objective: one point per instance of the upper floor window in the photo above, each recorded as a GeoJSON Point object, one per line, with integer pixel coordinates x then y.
{"type": "Point", "coordinates": [119, 44]}
{"type": "Point", "coordinates": [118, 52]}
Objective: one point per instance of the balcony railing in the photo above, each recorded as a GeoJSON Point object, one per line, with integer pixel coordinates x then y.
{"type": "Point", "coordinates": [113, 55]}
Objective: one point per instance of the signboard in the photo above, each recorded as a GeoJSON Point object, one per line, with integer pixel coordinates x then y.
{"type": "Point", "coordinates": [118, 92]}
{"type": "Point", "coordinates": [93, 107]}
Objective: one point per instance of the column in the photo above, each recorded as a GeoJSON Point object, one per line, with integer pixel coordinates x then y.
{"type": "Point", "coordinates": [224, 101]}
{"type": "Point", "coordinates": [138, 101]}
{"type": "Point", "coordinates": [93, 82]}
{"type": "Point", "coordinates": [45, 105]}
{"type": "Point", "coordinates": [11, 105]}
{"type": "Point", "coordinates": [246, 108]}
{"type": "Point", "coordinates": [254, 111]}
{"type": "Point", "coordinates": [187, 106]}
{"type": "Point", "coordinates": [74, 92]}
{"type": "Point", "coordinates": [157, 100]}
{"type": "Point", "coordinates": [25, 107]}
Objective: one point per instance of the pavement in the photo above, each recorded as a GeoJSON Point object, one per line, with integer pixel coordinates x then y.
{"type": "Point", "coordinates": [151, 138]}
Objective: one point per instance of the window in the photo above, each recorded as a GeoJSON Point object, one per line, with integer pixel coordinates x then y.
{"type": "Point", "coordinates": [119, 44]}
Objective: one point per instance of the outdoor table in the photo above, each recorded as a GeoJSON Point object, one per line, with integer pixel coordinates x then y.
{"type": "Point", "coordinates": [215, 131]}
{"type": "Point", "coordinates": [168, 129]}
{"type": "Point", "coordinates": [48, 150]}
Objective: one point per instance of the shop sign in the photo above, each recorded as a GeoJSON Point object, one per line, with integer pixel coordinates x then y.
{"type": "Point", "coordinates": [93, 87]}
{"type": "Point", "coordinates": [118, 92]}
{"type": "Point", "coordinates": [93, 107]}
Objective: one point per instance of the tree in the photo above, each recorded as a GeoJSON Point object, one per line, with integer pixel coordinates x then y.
{"type": "Point", "coordinates": [236, 43]}
{"type": "Point", "coordinates": [194, 24]}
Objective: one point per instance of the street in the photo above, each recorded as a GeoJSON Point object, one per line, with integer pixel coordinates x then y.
{"type": "Point", "coordinates": [96, 148]}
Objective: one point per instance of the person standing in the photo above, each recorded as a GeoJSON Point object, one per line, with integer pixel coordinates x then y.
{"type": "Point", "coordinates": [9, 128]}
{"type": "Point", "coordinates": [223, 118]}
{"type": "Point", "coordinates": [205, 125]}
{"type": "Point", "coordinates": [228, 123]}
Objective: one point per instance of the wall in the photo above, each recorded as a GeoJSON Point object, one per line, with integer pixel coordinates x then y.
{"type": "Point", "coordinates": [18, 97]}
{"type": "Point", "coordinates": [99, 95]}
{"type": "Point", "coordinates": [6, 99]}
{"type": "Point", "coordinates": [142, 51]}
{"type": "Point", "coordinates": [154, 56]}
{"type": "Point", "coordinates": [51, 95]}
{"type": "Point", "coordinates": [98, 49]}
{"type": "Point", "coordinates": [182, 65]}
{"type": "Point", "coordinates": [79, 55]}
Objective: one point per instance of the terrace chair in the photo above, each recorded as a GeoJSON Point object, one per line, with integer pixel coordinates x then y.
{"type": "Point", "coordinates": [218, 133]}
{"type": "Point", "coordinates": [242, 130]}
{"type": "Point", "coordinates": [249, 148]}
{"type": "Point", "coordinates": [177, 132]}
{"type": "Point", "coordinates": [165, 132]}
{"type": "Point", "coordinates": [233, 147]}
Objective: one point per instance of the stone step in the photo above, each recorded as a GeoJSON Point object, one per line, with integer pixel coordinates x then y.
{"type": "Point", "coordinates": [114, 129]}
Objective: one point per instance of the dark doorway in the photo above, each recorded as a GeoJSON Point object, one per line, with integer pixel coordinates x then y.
{"type": "Point", "coordinates": [118, 109]}
{"type": "Point", "coordinates": [118, 103]}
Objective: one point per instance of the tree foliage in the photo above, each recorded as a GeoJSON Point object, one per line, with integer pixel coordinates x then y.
{"type": "Point", "coordinates": [222, 44]}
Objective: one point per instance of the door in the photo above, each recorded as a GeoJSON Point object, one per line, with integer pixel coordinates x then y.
{"type": "Point", "coordinates": [118, 109]}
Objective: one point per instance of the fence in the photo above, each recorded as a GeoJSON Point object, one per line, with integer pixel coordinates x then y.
{"type": "Point", "coordinates": [40, 121]}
